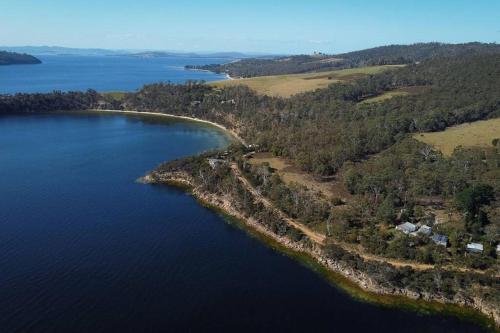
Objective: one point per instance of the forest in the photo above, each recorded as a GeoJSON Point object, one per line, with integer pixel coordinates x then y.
{"type": "Point", "coordinates": [369, 148]}
{"type": "Point", "coordinates": [13, 58]}
{"type": "Point", "coordinates": [49, 102]}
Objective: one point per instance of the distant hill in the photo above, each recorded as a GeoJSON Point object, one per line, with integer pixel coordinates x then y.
{"type": "Point", "coordinates": [58, 50]}
{"type": "Point", "coordinates": [161, 54]}
{"type": "Point", "coordinates": [12, 58]}
{"type": "Point", "coordinates": [405, 54]}
{"type": "Point", "coordinates": [383, 55]}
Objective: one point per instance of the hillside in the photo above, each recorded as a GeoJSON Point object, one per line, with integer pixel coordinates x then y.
{"type": "Point", "coordinates": [12, 58]}
{"type": "Point", "coordinates": [291, 84]}
{"type": "Point", "coordinates": [479, 134]}
{"type": "Point", "coordinates": [383, 55]}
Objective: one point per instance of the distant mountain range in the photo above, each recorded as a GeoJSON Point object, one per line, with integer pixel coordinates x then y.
{"type": "Point", "coordinates": [57, 50]}
{"type": "Point", "coordinates": [12, 58]}
{"type": "Point", "coordinates": [161, 54]}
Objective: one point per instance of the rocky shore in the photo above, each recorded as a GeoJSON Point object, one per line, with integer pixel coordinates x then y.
{"type": "Point", "coordinates": [361, 280]}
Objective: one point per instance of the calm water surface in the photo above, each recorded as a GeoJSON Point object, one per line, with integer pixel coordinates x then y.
{"type": "Point", "coordinates": [101, 73]}
{"type": "Point", "coordinates": [84, 248]}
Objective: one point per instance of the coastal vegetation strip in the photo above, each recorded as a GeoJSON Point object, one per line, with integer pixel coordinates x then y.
{"type": "Point", "coordinates": [223, 186]}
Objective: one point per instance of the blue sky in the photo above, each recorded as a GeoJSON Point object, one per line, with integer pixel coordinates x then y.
{"type": "Point", "coordinates": [258, 25]}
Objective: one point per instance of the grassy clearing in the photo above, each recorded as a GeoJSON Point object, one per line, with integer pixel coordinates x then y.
{"type": "Point", "coordinates": [291, 174]}
{"type": "Point", "coordinates": [393, 93]}
{"type": "Point", "coordinates": [115, 94]}
{"type": "Point", "coordinates": [288, 85]}
{"type": "Point", "coordinates": [479, 134]}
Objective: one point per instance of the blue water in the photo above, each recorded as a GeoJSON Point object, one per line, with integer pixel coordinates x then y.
{"type": "Point", "coordinates": [85, 248]}
{"type": "Point", "coordinates": [101, 73]}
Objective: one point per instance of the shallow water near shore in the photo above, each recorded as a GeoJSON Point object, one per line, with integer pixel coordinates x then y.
{"type": "Point", "coordinates": [85, 248]}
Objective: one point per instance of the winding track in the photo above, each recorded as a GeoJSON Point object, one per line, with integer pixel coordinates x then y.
{"type": "Point", "coordinates": [320, 239]}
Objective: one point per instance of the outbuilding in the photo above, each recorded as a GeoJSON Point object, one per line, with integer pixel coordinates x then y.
{"type": "Point", "coordinates": [475, 248]}
{"type": "Point", "coordinates": [440, 239]}
{"type": "Point", "coordinates": [406, 227]}
{"type": "Point", "coordinates": [215, 162]}
{"type": "Point", "coordinates": [425, 230]}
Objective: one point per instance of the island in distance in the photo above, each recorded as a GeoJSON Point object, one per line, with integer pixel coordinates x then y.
{"type": "Point", "coordinates": [13, 58]}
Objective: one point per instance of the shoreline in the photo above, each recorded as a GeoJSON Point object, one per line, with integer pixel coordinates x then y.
{"type": "Point", "coordinates": [356, 283]}
{"type": "Point", "coordinates": [231, 133]}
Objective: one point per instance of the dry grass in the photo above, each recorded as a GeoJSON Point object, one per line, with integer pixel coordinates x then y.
{"type": "Point", "coordinates": [397, 92]}
{"type": "Point", "coordinates": [115, 94]}
{"type": "Point", "coordinates": [288, 85]}
{"type": "Point", "coordinates": [477, 134]}
{"type": "Point", "coordinates": [291, 174]}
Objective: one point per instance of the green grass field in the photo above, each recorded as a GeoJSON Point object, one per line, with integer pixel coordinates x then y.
{"type": "Point", "coordinates": [476, 134]}
{"type": "Point", "coordinates": [288, 85]}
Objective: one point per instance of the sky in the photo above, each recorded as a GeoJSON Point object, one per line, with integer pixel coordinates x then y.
{"type": "Point", "coordinates": [266, 26]}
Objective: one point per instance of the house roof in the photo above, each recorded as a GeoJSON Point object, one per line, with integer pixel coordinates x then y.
{"type": "Point", "coordinates": [440, 238]}
{"type": "Point", "coordinates": [426, 230]}
{"type": "Point", "coordinates": [407, 227]}
{"type": "Point", "coordinates": [475, 246]}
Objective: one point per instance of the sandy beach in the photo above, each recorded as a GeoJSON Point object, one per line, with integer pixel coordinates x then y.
{"type": "Point", "coordinates": [231, 132]}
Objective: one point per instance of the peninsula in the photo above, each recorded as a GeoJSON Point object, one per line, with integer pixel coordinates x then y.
{"type": "Point", "coordinates": [354, 172]}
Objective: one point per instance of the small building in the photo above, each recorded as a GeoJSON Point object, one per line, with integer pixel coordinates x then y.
{"type": "Point", "coordinates": [498, 249]}
{"type": "Point", "coordinates": [425, 230]}
{"type": "Point", "coordinates": [406, 227]}
{"type": "Point", "coordinates": [216, 162]}
{"type": "Point", "coordinates": [440, 239]}
{"type": "Point", "coordinates": [475, 248]}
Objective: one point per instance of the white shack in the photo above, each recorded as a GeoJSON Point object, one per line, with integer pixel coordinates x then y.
{"type": "Point", "coordinates": [407, 227]}
{"type": "Point", "coordinates": [475, 248]}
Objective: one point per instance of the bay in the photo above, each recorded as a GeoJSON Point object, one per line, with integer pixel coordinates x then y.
{"type": "Point", "coordinates": [85, 248]}
{"type": "Point", "coordinates": [101, 73]}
